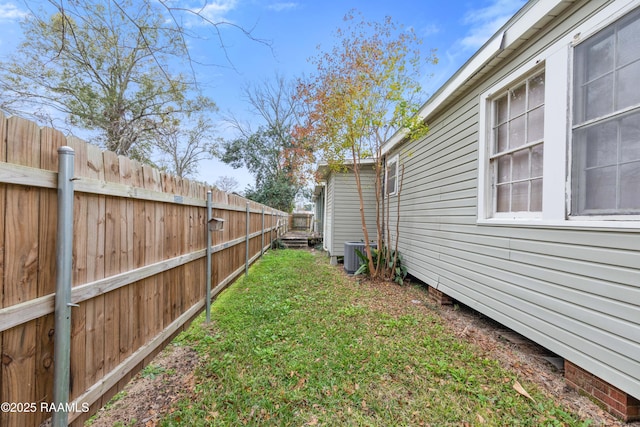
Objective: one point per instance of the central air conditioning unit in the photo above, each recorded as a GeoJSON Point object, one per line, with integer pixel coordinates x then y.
{"type": "Point", "coordinates": [352, 261]}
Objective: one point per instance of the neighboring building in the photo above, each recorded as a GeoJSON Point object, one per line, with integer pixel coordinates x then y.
{"type": "Point", "coordinates": [523, 202]}
{"type": "Point", "coordinates": [341, 215]}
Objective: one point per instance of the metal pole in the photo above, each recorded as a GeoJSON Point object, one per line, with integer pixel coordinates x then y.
{"type": "Point", "coordinates": [246, 264]}
{"type": "Point", "coordinates": [209, 217]}
{"type": "Point", "coordinates": [262, 241]}
{"type": "Point", "coordinates": [64, 248]}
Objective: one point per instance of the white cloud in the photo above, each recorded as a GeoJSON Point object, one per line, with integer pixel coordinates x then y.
{"type": "Point", "coordinates": [429, 29]}
{"type": "Point", "coordinates": [480, 25]}
{"type": "Point", "coordinates": [279, 7]}
{"type": "Point", "coordinates": [484, 22]}
{"type": "Point", "coordinates": [9, 11]}
{"type": "Point", "coordinates": [216, 10]}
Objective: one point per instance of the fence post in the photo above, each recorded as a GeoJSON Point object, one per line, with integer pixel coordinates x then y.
{"type": "Point", "coordinates": [262, 238]}
{"type": "Point", "coordinates": [246, 264]}
{"type": "Point", "coordinates": [209, 216]}
{"type": "Point", "coordinates": [64, 248]}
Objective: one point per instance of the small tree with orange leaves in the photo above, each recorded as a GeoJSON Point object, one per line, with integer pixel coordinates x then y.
{"type": "Point", "coordinates": [364, 90]}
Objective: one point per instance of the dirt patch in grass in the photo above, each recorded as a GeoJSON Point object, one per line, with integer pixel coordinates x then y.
{"type": "Point", "coordinates": [151, 394]}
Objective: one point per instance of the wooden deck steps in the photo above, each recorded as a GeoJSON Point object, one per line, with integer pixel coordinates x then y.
{"type": "Point", "coordinates": [299, 239]}
{"type": "Point", "coordinates": [295, 242]}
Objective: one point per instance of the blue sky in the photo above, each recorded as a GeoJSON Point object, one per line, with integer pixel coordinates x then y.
{"type": "Point", "coordinates": [294, 29]}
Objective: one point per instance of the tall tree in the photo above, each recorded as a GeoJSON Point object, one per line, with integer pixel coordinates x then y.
{"type": "Point", "coordinates": [228, 184]}
{"type": "Point", "coordinates": [364, 90]}
{"type": "Point", "coordinates": [183, 144]}
{"type": "Point", "coordinates": [277, 191]}
{"type": "Point", "coordinates": [277, 158]}
{"type": "Point", "coordinates": [271, 157]}
{"type": "Point", "coordinates": [105, 66]}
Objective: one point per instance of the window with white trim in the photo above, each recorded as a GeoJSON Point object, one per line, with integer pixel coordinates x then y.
{"type": "Point", "coordinates": [606, 121]}
{"type": "Point", "coordinates": [559, 140]}
{"type": "Point", "coordinates": [391, 181]}
{"type": "Point", "coordinates": [517, 147]}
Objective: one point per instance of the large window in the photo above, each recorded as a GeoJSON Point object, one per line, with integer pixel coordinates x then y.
{"type": "Point", "coordinates": [606, 121]}
{"type": "Point", "coordinates": [516, 159]}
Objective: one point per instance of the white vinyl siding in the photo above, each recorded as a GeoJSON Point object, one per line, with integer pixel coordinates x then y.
{"type": "Point", "coordinates": [343, 209]}
{"type": "Point", "coordinates": [571, 285]}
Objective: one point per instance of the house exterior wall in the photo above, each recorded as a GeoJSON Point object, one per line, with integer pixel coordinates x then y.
{"type": "Point", "coordinates": [574, 289]}
{"type": "Point", "coordinates": [343, 209]}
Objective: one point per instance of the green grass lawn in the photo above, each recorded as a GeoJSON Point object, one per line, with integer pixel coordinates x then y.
{"type": "Point", "coordinates": [298, 343]}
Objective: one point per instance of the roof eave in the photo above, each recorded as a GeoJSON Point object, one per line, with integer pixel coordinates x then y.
{"type": "Point", "coordinates": [324, 168]}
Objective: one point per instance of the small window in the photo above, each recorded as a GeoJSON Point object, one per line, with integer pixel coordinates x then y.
{"type": "Point", "coordinates": [606, 122]}
{"type": "Point", "coordinates": [517, 145]}
{"type": "Point", "coordinates": [392, 176]}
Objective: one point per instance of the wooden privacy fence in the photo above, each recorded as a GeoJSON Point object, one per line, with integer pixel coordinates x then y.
{"type": "Point", "coordinates": [138, 272]}
{"type": "Point", "coordinates": [301, 221]}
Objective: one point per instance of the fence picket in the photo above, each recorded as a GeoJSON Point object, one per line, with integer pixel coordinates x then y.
{"type": "Point", "coordinates": [51, 140]}
{"type": "Point", "coordinates": [94, 308]}
{"type": "Point", "coordinates": [20, 270]}
{"type": "Point", "coordinates": [115, 219]}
